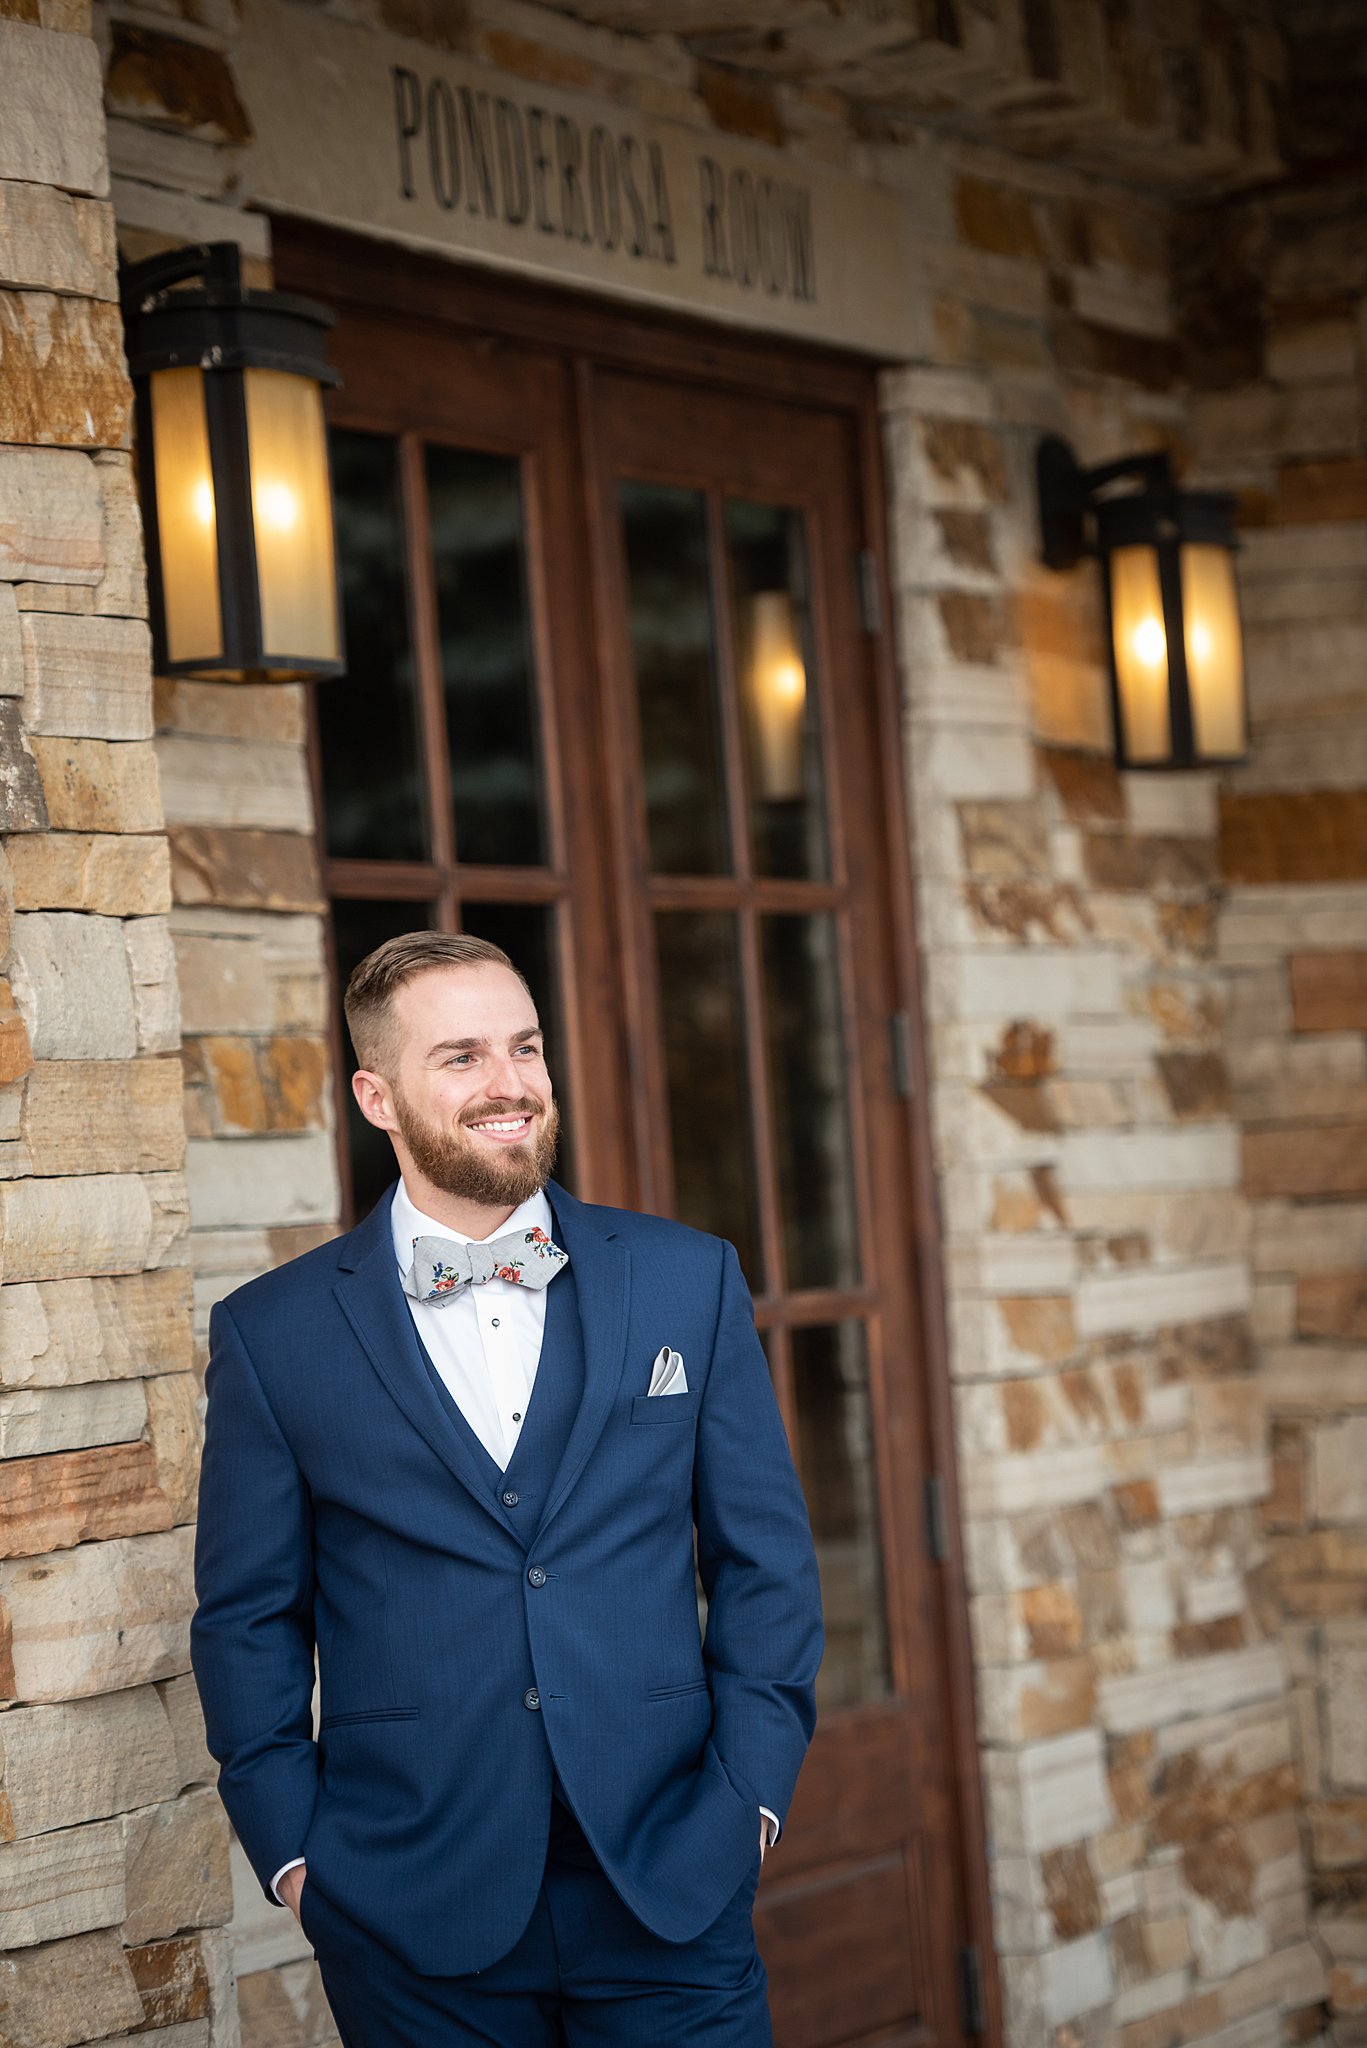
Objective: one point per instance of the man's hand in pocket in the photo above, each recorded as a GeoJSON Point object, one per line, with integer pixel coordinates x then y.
{"type": "Point", "coordinates": [290, 1886]}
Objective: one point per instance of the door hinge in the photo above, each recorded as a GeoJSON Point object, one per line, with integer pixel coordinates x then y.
{"type": "Point", "coordinates": [870, 597]}
{"type": "Point", "coordinates": [937, 1533]}
{"type": "Point", "coordinates": [971, 1988]}
{"type": "Point", "coordinates": [903, 1072]}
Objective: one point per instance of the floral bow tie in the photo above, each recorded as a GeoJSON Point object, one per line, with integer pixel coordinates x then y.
{"type": "Point", "coordinates": [441, 1267]}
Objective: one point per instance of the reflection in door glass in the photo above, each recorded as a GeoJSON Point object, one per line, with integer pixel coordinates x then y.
{"type": "Point", "coordinates": [835, 1458]}
{"type": "Point", "coordinates": [357, 929]}
{"type": "Point", "coordinates": [777, 685]}
{"type": "Point", "coordinates": [488, 668]}
{"type": "Point", "coordinates": [807, 1078]}
{"type": "Point", "coordinates": [368, 718]}
{"type": "Point", "coordinates": [672, 644]}
{"type": "Point", "coordinates": [704, 1044]}
{"type": "Point", "coordinates": [526, 932]}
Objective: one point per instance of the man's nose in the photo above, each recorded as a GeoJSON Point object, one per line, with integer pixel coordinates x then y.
{"type": "Point", "coordinates": [503, 1078]}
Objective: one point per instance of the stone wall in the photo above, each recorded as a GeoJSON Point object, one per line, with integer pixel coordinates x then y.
{"type": "Point", "coordinates": [1280, 415]}
{"type": "Point", "coordinates": [114, 1879]}
{"type": "Point", "coordinates": [1140, 1749]}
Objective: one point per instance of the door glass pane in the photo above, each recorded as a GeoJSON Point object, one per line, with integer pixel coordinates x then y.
{"type": "Point", "coordinates": [488, 664]}
{"type": "Point", "coordinates": [672, 644]}
{"type": "Point", "coordinates": [771, 630]}
{"type": "Point", "coordinates": [811, 1117]}
{"type": "Point", "coordinates": [527, 934]}
{"type": "Point", "coordinates": [357, 929]}
{"type": "Point", "coordinates": [835, 1458]}
{"type": "Point", "coordinates": [704, 1038]}
{"type": "Point", "coordinates": [368, 719]}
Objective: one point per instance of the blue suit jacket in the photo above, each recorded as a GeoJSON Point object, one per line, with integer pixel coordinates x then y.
{"type": "Point", "coordinates": [340, 1505]}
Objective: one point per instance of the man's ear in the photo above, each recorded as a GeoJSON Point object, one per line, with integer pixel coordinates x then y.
{"type": "Point", "coordinates": [374, 1100]}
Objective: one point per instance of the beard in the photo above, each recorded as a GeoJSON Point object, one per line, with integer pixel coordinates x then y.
{"type": "Point", "coordinates": [461, 1166]}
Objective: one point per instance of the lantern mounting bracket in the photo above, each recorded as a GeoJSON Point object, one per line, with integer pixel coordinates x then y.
{"type": "Point", "coordinates": [143, 285]}
{"type": "Point", "coordinates": [1068, 493]}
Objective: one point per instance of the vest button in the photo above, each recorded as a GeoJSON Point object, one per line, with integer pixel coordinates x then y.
{"type": "Point", "coordinates": [536, 1577]}
{"type": "Point", "coordinates": [510, 1499]}
{"type": "Point", "coordinates": [531, 1698]}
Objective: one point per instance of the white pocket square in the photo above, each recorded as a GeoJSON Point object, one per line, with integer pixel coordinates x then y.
{"type": "Point", "coordinates": [667, 1375]}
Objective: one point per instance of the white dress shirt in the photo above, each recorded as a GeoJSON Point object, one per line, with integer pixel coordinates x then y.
{"type": "Point", "coordinates": [486, 1344]}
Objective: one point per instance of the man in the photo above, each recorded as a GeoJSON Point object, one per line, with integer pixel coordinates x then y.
{"type": "Point", "coordinates": [463, 1450]}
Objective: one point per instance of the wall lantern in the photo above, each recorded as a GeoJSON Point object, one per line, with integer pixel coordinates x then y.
{"type": "Point", "coordinates": [778, 694]}
{"type": "Point", "coordinates": [1172, 606]}
{"type": "Point", "coordinates": [233, 470]}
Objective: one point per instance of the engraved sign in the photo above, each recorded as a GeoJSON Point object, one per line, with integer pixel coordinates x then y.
{"type": "Point", "coordinates": [377, 133]}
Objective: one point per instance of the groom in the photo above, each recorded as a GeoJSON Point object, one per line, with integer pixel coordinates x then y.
{"type": "Point", "coordinates": [464, 1451]}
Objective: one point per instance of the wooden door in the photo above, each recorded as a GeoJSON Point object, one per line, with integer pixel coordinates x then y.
{"type": "Point", "coordinates": [611, 701]}
{"type": "Point", "coordinates": [756, 916]}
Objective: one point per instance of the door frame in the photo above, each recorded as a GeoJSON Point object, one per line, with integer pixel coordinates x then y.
{"type": "Point", "coordinates": [373, 275]}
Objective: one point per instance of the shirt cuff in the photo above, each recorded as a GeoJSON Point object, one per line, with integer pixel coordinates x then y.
{"type": "Point", "coordinates": [293, 1864]}
{"type": "Point", "coordinates": [774, 1824]}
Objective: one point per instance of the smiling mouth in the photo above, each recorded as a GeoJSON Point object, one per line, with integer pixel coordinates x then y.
{"type": "Point", "coordinates": [504, 1130]}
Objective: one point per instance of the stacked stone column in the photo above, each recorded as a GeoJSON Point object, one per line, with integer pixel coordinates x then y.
{"type": "Point", "coordinates": [114, 1873]}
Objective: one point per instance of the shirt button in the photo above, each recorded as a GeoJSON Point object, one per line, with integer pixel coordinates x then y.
{"type": "Point", "coordinates": [510, 1499]}
{"type": "Point", "coordinates": [517, 1418]}
{"type": "Point", "coordinates": [531, 1698]}
{"type": "Point", "coordinates": [494, 1323]}
{"type": "Point", "coordinates": [536, 1577]}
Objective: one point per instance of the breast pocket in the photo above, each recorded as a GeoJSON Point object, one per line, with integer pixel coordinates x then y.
{"type": "Point", "coordinates": [667, 1408]}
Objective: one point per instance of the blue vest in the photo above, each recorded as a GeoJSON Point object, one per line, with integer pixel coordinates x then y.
{"type": "Point", "coordinates": [555, 1397]}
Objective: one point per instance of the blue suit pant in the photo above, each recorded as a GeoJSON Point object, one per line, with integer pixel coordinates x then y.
{"type": "Point", "coordinates": [585, 1973]}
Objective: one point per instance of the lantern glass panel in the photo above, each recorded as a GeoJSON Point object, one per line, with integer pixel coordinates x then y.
{"type": "Point", "coordinates": [292, 514]}
{"type": "Point", "coordinates": [1215, 655]}
{"type": "Point", "coordinates": [1140, 649]}
{"type": "Point", "coordinates": [187, 520]}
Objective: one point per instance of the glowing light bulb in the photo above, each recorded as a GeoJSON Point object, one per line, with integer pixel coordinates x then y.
{"type": "Point", "coordinates": [1149, 643]}
{"type": "Point", "coordinates": [1201, 643]}
{"type": "Point", "coordinates": [276, 506]}
{"type": "Point", "coordinates": [203, 501]}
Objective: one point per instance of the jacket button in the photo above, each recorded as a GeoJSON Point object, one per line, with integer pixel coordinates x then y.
{"type": "Point", "coordinates": [531, 1698]}
{"type": "Point", "coordinates": [510, 1499]}
{"type": "Point", "coordinates": [536, 1577]}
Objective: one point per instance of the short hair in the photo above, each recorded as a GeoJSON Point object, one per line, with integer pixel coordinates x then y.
{"type": "Point", "coordinates": [370, 993]}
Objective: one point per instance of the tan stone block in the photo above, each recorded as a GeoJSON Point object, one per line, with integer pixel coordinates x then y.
{"type": "Point", "coordinates": [122, 590]}
{"type": "Point", "coordinates": [61, 1883]}
{"type": "Point", "coordinates": [232, 711]}
{"type": "Point", "coordinates": [234, 783]}
{"type": "Point", "coordinates": [64, 382]}
{"type": "Point", "coordinates": [166, 79]}
{"type": "Point", "coordinates": [173, 1980]}
{"type": "Point", "coordinates": [180, 1702]}
{"type": "Point", "coordinates": [70, 978]}
{"type": "Point", "coordinates": [11, 643]}
{"type": "Point", "coordinates": [173, 1426]}
{"type": "Point", "coordinates": [1306, 1160]}
{"type": "Point", "coordinates": [82, 1760]}
{"type": "Point", "coordinates": [54, 1502]}
{"type": "Point", "coordinates": [112, 874]}
{"type": "Point", "coordinates": [97, 1224]}
{"type": "Point", "coordinates": [245, 870]}
{"type": "Point", "coordinates": [1228, 1415]}
{"type": "Point", "coordinates": [37, 1420]}
{"type": "Point", "coordinates": [1339, 1470]}
{"type": "Point", "coordinates": [52, 241]}
{"type": "Point", "coordinates": [263, 1181]}
{"type": "Point", "coordinates": [87, 678]}
{"type": "Point", "coordinates": [1328, 990]}
{"type": "Point", "coordinates": [178, 1873]}
{"type": "Point", "coordinates": [273, 1084]}
{"type": "Point", "coordinates": [1007, 839]}
{"type": "Point", "coordinates": [49, 517]}
{"type": "Point", "coordinates": [73, 598]}
{"type": "Point", "coordinates": [156, 992]}
{"type": "Point", "coordinates": [16, 1054]}
{"type": "Point", "coordinates": [101, 1616]}
{"type": "Point", "coordinates": [104, 1116]}
{"type": "Point", "coordinates": [51, 114]}
{"type": "Point", "coordinates": [99, 786]}
{"type": "Point", "coordinates": [245, 973]}
{"type": "Point", "coordinates": [61, 1992]}
{"type": "Point", "coordinates": [1293, 836]}
{"type": "Point", "coordinates": [64, 1332]}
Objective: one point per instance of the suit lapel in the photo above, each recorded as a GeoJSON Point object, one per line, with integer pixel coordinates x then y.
{"type": "Point", "coordinates": [373, 1301]}
{"type": "Point", "coordinates": [602, 1270]}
